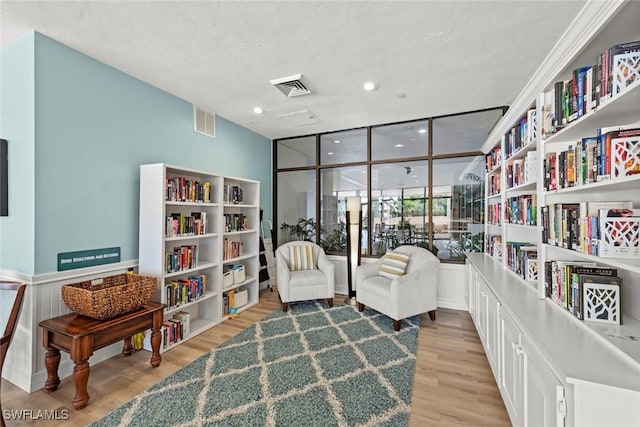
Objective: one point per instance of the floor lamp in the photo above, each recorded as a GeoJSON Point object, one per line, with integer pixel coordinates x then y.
{"type": "Point", "coordinates": [354, 229]}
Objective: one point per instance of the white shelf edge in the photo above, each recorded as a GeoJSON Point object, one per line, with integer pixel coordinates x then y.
{"type": "Point", "coordinates": [190, 237]}
{"type": "Point", "coordinates": [232, 233]}
{"type": "Point", "coordinates": [629, 264]}
{"type": "Point", "coordinates": [201, 266]}
{"type": "Point", "coordinates": [632, 182]}
{"type": "Point", "coordinates": [248, 280]}
{"type": "Point", "coordinates": [175, 309]}
{"type": "Point", "coordinates": [240, 258]}
{"type": "Point", "coordinates": [200, 204]}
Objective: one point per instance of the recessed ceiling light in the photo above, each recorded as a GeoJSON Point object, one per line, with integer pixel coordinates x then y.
{"type": "Point", "coordinates": [330, 153]}
{"type": "Point", "coordinates": [422, 131]}
{"type": "Point", "coordinates": [257, 110]}
{"type": "Point", "coordinates": [336, 141]}
{"type": "Point", "coordinates": [409, 127]}
{"type": "Point", "coordinates": [369, 86]}
{"type": "Point", "coordinates": [412, 139]}
{"type": "Point", "coordinates": [414, 176]}
{"type": "Point", "coordinates": [399, 145]}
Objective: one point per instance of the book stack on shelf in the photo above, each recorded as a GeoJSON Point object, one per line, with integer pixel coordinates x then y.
{"type": "Point", "coordinates": [521, 135]}
{"type": "Point", "coordinates": [184, 291]}
{"type": "Point", "coordinates": [522, 259]}
{"type": "Point", "coordinates": [493, 159]}
{"type": "Point", "coordinates": [521, 210]}
{"type": "Point", "coordinates": [604, 229]}
{"type": "Point", "coordinates": [185, 189]}
{"type": "Point", "coordinates": [588, 291]}
{"type": "Point", "coordinates": [179, 224]}
{"type": "Point", "coordinates": [614, 153]}
{"type": "Point", "coordinates": [591, 86]}
{"type": "Point", "coordinates": [493, 214]}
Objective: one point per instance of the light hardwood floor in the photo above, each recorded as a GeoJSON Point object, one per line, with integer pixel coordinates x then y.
{"type": "Point", "coordinates": [453, 384]}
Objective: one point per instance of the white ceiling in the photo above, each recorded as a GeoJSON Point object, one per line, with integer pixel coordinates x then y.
{"type": "Point", "coordinates": [429, 58]}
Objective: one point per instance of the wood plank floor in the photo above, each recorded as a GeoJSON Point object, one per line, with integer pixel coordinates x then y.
{"type": "Point", "coordinates": [453, 384]}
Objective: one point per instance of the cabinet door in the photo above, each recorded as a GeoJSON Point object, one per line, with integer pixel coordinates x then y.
{"type": "Point", "coordinates": [544, 402]}
{"type": "Point", "coordinates": [472, 290]}
{"type": "Point", "coordinates": [488, 307]}
{"type": "Point", "coordinates": [511, 367]}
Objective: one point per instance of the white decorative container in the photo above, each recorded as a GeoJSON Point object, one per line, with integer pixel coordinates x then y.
{"type": "Point", "coordinates": [625, 156]}
{"type": "Point", "coordinates": [619, 237]}
{"type": "Point", "coordinates": [227, 279]}
{"type": "Point", "coordinates": [602, 300]}
{"type": "Point", "coordinates": [626, 71]}
{"type": "Point", "coordinates": [241, 298]}
{"type": "Point", "coordinates": [238, 273]}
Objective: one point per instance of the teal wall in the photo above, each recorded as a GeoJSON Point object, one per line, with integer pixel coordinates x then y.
{"type": "Point", "coordinates": [17, 242]}
{"type": "Point", "coordinates": [94, 126]}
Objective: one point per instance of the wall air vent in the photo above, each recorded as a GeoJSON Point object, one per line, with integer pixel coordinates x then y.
{"type": "Point", "coordinates": [204, 122]}
{"type": "Point", "coordinates": [291, 86]}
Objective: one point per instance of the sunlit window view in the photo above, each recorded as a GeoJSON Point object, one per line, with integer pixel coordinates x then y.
{"type": "Point", "coordinates": [407, 197]}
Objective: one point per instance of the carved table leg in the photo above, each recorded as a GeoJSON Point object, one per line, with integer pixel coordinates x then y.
{"type": "Point", "coordinates": [128, 347]}
{"type": "Point", "coordinates": [156, 339]}
{"type": "Point", "coordinates": [51, 362]}
{"type": "Point", "coordinates": [80, 378]}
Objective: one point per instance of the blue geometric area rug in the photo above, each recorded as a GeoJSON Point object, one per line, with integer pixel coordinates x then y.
{"type": "Point", "coordinates": [312, 366]}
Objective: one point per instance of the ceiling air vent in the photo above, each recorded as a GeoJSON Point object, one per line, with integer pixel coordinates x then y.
{"type": "Point", "coordinates": [291, 86]}
{"type": "Point", "coordinates": [204, 122]}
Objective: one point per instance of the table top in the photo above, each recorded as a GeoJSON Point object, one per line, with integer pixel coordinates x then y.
{"type": "Point", "coordinates": [75, 325]}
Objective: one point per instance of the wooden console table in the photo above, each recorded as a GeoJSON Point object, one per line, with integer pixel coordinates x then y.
{"type": "Point", "coordinates": [80, 336]}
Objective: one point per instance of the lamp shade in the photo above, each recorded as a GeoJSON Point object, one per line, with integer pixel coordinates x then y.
{"type": "Point", "coordinates": [353, 207]}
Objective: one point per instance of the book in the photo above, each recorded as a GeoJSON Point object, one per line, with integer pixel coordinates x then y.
{"type": "Point", "coordinates": [185, 318]}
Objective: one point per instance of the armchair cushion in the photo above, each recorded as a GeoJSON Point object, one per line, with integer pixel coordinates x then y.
{"type": "Point", "coordinates": [301, 258]}
{"type": "Point", "coordinates": [393, 264]}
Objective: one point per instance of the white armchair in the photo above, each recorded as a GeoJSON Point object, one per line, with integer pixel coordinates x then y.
{"type": "Point", "coordinates": [300, 277]}
{"type": "Point", "coordinates": [414, 292]}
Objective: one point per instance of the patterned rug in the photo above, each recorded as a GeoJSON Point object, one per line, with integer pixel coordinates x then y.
{"type": "Point", "coordinates": [312, 366]}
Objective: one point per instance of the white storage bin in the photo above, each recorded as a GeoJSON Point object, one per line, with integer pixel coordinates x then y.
{"type": "Point", "coordinates": [238, 273]}
{"type": "Point", "coordinates": [227, 279]}
{"type": "Point", "coordinates": [241, 298]}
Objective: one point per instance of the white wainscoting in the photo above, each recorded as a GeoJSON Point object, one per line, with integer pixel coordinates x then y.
{"type": "Point", "coordinates": [24, 365]}
{"type": "Point", "coordinates": [451, 284]}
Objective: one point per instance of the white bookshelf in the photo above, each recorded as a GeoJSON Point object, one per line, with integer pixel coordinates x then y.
{"type": "Point", "coordinates": [575, 372]}
{"type": "Point", "coordinates": [155, 242]}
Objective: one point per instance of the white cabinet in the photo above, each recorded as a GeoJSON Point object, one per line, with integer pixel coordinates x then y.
{"type": "Point", "coordinates": [489, 319]}
{"type": "Point", "coordinates": [511, 367]}
{"type": "Point", "coordinates": [181, 241]}
{"type": "Point", "coordinates": [544, 394]}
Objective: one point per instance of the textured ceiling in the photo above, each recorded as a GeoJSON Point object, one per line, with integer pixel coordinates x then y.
{"type": "Point", "coordinates": [429, 58]}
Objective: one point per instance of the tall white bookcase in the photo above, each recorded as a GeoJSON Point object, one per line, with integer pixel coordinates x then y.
{"type": "Point", "coordinates": [552, 368]}
{"type": "Point", "coordinates": [201, 250]}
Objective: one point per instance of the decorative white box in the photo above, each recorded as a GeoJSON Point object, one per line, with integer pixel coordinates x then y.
{"type": "Point", "coordinates": [238, 273]}
{"type": "Point", "coordinates": [602, 301]}
{"type": "Point", "coordinates": [619, 237]}
{"type": "Point", "coordinates": [227, 279]}
{"type": "Point", "coordinates": [626, 71]}
{"type": "Point", "coordinates": [241, 298]}
{"type": "Point", "coordinates": [625, 156]}
{"type": "Point", "coordinates": [532, 270]}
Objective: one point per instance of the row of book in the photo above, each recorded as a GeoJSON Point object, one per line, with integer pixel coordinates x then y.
{"type": "Point", "coordinates": [612, 153]}
{"type": "Point", "coordinates": [606, 229]}
{"type": "Point", "coordinates": [521, 210]}
{"type": "Point", "coordinates": [493, 159]}
{"type": "Point", "coordinates": [589, 86]}
{"type": "Point", "coordinates": [183, 291]}
{"type": "Point", "coordinates": [232, 194]}
{"type": "Point", "coordinates": [522, 259]}
{"type": "Point", "coordinates": [182, 258]}
{"type": "Point", "coordinates": [493, 214]}
{"type": "Point", "coordinates": [182, 189]}
{"type": "Point", "coordinates": [235, 222]}
{"type": "Point", "coordinates": [523, 133]}
{"type": "Point", "coordinates": [179, 224]}
{"type": "Point", "coordinates": [176, 329]}
{"type": "Point", "coordinates": [522, 171]}
{"type": "Point", "coordinates": [587, 290]}
{"type": "Point", "coordinates": [231, 249]}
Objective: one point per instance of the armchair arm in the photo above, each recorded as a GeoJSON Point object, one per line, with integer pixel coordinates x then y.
{"type": "Point", "coordinates": [416, 292]}
{"type": "Point", "coordinates": [367, 270]}
{"type": "Point", "coordinates": [327, 267]}
{"type": "Point", "coordinates": [282, 276]}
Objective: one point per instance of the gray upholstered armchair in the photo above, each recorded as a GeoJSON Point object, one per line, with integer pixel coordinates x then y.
{"type": "Point", "coordinates": [303, 272]}
{"type": "Point", "coordinates": [398, 295]}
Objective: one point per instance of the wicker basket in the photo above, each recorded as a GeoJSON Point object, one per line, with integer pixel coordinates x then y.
{"type": "Point", "coordinates": [110, 296]}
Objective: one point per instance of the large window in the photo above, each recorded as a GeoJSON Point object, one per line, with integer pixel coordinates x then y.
{"type": "Point", "coordinates": [421, 183]}
{"type": "Point", "coordinates": [336, 185]}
